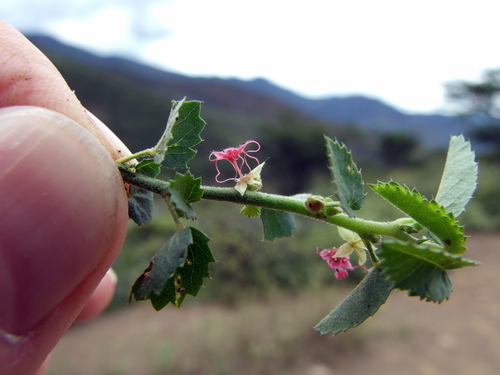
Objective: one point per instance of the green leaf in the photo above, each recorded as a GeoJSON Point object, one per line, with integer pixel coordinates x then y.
{"type": "Point", "coordinates": [363, 302]}
{"type": "Point", "coordinates": [420, 269]}
{"type": "Point", "coordinates": [427, 213]}
{"type": "Point", "coordinates": [188, 186]}
{"type": "Point", "coordinates": [140, 205]}
{"type": "Point", "coordinates": [346, 177]}
{"type": "Point", "coordinates": [185, 135]}
{"type": "Point", "coordinates": [163, 266]}
{"type": "Point", "coordinates": [459, 178]}
{"type": "Point", "coordinates": [189, 278]}
{"type": "Point", "coordinates": [277, 224]}
{"type": "Point", "coordinates": [149, 168]}
{"type": "Point", "coordinates": [183, 208]}
{"type": "Point", "coordinates": [250, 211]}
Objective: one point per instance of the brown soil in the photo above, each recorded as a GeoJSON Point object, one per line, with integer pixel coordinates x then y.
{"type": "Point", "coordinates": [407, 336]}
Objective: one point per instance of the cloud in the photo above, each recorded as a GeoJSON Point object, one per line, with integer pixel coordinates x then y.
{"type": "Point", "coordinates": [46, 16]}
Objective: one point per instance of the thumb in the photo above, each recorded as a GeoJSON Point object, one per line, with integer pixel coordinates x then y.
{"type": "Point", "coordinates": [63, 218]}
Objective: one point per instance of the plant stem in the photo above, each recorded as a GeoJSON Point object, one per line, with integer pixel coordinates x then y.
{"type": "Point", "coordinates": [147, 152]}
{"type": "Point", "coordinates": [371, 251]}
{"type": "Point", "coordinates": [367, 229]}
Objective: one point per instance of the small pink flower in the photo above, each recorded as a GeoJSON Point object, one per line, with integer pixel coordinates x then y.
{"type": "Point", "coordinates": [234, 155]}
{"type": "Point", "coordinates": [339, 264]}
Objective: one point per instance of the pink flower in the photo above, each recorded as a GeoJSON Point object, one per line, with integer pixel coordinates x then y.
{"type": "Point", "coordinates": [339, 264]}
{"type": "Point", "coordinates": [237, 156]}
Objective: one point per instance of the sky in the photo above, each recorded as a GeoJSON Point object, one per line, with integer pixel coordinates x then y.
{"type": "Point", "coordinates": [400, 52]}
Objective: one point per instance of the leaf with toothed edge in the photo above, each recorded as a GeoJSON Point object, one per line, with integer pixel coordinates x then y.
{"type": "Point", "coordinates": [346, 177]}
{"type": "Point", "coordinates": [420, 269]}
{"type": "Point", "coordinates": [427, 213]}
{"type": "Point", "coordinates": [188, 279]}
{"type": "Point", "coordinates": [177, 270]}
{"type": "Point", "coordinates": [163, 266]}
{"type": "Point", "coordinates": [459, 177]}
{"type": "Point", "coordinates": [185, 135]}
{"type": "Point", "coordinates": [188, 186]}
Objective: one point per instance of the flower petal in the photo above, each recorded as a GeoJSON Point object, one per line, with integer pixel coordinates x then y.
{"type": "Point", "coordinates": [241, 187]}
{"type": "Point", "coordinates": [361, 255]}
{"type": "Point", "coordinates": [344, 251]}
{"type": "Point", "coordinates": [348, 235]}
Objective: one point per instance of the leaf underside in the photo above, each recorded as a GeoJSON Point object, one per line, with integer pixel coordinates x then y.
{"type": "Point", "coordinates": [140, 205]}
{"type": "Point", "coordinates": [277, 224]}
{"type": "Point", "coordinates": [427, 213]}
{"type": "Point", "coordinates": [363, 302]}
{"type": "Point", "coordinates": [346, 177]}
{"type": "Point", "coordinates": [140, 201]}
{"type": "Point", "coordinates": [459, 177]}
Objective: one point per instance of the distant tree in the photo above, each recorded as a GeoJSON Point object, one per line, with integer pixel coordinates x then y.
{"type": "Point", "coordinates": [396, 149]}
{"type": "Point", "coordinates": [479, 104]}
{"type": "Point", "coordinates": [294, 147]}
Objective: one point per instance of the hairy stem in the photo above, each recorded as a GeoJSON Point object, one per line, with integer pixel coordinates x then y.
{"type": "Point", "coordinates": [148, 152]}
{"type": "Point", "coordinates": [365, 228]}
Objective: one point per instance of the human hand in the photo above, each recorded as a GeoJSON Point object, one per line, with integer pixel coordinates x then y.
{"type": "Point", "coordinates": [63, 212]}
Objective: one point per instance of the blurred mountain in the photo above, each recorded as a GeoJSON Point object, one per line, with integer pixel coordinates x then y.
{"type": "Point", "coordinates": [241, 103]}
{"type": "Point", "coordinates": [371, 114]}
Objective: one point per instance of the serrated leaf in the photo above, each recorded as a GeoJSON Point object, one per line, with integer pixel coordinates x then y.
{"type": "Point", "coordinates": [346, 177]}
{"type": "Point", "coordinates": [163, 266]}
{"type": "Point", "coordinates": [459, 177]}
{"type": "Point", "coordinates": [250, 211]}
{"type": "Point", "coordinates": [189, 278]}
{"type": "Point", "coordinates": [420, 269]}
{"type": "Point", "coordinates": [185, 135]}
{"type": "Point", "coordinates": [277, 224]}
{"type": "Point", "coordinates": [188, 186]}
{"type": "Point", "coordinates": [427, 213]}
{"type": "Point", "coordinates": [359, 305]}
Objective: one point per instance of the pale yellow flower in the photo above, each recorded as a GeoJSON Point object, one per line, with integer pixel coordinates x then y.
{"type": "Point", "coordinates": [250, 181]}
{"type": "Point", "coordinates": [353, 243]}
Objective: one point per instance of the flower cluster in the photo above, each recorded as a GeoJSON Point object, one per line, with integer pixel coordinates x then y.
{"type": "Point", "coordinates": [354, 243]}
{"type": "Point", "coordinates": [339, 264]}
{"type": "Point", "coordinates": [237, 156]}
{"type": "Point", "coordinates": [338, 258]}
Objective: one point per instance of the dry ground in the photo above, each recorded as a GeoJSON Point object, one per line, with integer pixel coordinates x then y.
{"type": "Point", "coordinates": [460, 337]}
